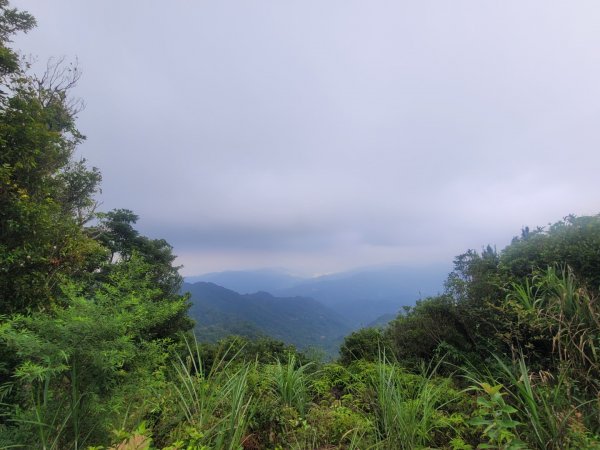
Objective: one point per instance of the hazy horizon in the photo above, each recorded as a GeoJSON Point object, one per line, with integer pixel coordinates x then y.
{"type": "Point", "coordinates": [325, 136]}
{"type": "Point", "coordinates": [313, 275]}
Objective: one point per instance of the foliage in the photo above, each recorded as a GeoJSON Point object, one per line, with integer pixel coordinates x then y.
{"type": "Point", "coordinates": [472, 317]}
{"type": "Point", "coordinates": [527, 305]}
{"type": "Point", "coordinates": [494, 414]}
{"type": "Point", "coordinates": [263, 349]}
{"type": "Point", "coordinates": [563, 316]}
{"type": "Point", "coordinates": [475, 287]}
{"type": "Point", "coordinates": [340, 424]}
{"type": "Point", "coordinates": [545, 415]}
{"type": "Point", "coordinates": [573, 241]}
{"type": "Point", "coordinates": [116, 232]}
{"type": "Point", "coordinates": [44, 197]}
{"type": "Point", "coordinates": [290, 383]}
{"type": "Point", "coordinates": [409, 409]}
{"type": "Point", "coordinates": [366, 343]}
{"type": "Point", "coordinates": [215, 403]}
{"type": "Point", "coordinates": [433, 323]}
{"type": "Point", "coordinates": [81, 364]}
{"type": "Point", "coordinates": [11, 22]}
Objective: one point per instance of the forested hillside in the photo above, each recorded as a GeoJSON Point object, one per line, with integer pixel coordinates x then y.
{"type": "Point", "coordinates": [304, 322]}
{"type": "Point", "coordinates": [97, 352]}
{"type": "Point", "coordinates": [359, 296]}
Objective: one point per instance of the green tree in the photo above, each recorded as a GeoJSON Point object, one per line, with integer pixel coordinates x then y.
{"type": "Point", "coordinates": [82, 333]}
{"type": "Point", "coordinates": [432, 326]}
{"type": "Point", "coordinates": [573, 241]}
{"type": "Point", "coordinates": [45, 197]}
{"type": "Point", "coordinates": [472, 317]}
{"type": "Point", "coordinates": [42, 196]}
{"type": "Point", "coordinates": [476, 289]}
{"type": "Point", "coordinates": [116, 232]}
{"type": "Point", "coordinates": [369, 344]}
{"type": "Point", "coordinates": [11, 22]}
{"type": "Point", "coordinates": [82, 366]}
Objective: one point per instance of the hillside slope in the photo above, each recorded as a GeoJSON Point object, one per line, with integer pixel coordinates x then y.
{"type": "Point", "coordinates": [363, 295]}
{"type": "Point", "coordinates": [301, 321]}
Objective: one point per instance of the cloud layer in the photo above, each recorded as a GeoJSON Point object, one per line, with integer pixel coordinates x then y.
{"type": "Point", "coordinates": [325, 135]}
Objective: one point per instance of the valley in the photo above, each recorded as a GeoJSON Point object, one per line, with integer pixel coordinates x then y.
{"type": "Point", "coordinates": [306, 312]}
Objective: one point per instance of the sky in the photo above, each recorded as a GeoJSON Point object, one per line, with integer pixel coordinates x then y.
{"type": "Point", "coordinates": [323, 135]}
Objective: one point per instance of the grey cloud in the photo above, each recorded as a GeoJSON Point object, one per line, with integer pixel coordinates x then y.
{"type": "Point", "coordinates": [244, 238]}
{"type": "Point", "coordinates": [338, 133]}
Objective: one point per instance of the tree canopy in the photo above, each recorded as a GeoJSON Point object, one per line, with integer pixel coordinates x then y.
{"type": "Point", "coordinates": [88, 307]}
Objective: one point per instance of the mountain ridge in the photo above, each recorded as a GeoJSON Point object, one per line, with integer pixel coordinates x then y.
{"type": "Point", "coordinates": [301, 321]}
{"type": "Point", "coordinates": [360, 296]}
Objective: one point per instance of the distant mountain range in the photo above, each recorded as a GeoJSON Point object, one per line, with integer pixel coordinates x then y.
{"type": "Point", "coordinates": [357, 297]}
{"type": "Point", "coordinates": [250, 281]}
{"type": "Point", "coordinates": [301, 321]}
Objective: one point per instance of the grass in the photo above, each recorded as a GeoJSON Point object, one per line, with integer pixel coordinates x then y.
{"type": "Point", "coordinates": [290, 382]}
{"type": "Point", "coordinates": [569, 314]}
{"type": "Point", "coordinates": [216, 404]}
{"type": "Point", "coordinates": [406, 414]}
{"type": "Point", "coordinates": [547, 415]}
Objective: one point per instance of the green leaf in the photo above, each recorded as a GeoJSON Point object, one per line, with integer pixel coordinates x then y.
{"type": "Point", "coordinates": [479, 421]}
{"type": "Point", "coordinates": [508, 409]}
{"type": "Point", "coordinates": [508, 423]}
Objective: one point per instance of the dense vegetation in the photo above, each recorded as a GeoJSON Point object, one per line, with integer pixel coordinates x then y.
{"type": "Point", "coordinates": [96, 349]}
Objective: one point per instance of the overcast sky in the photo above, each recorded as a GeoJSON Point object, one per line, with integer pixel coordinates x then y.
{"type": "Point", "coordinates": [325, 135]}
